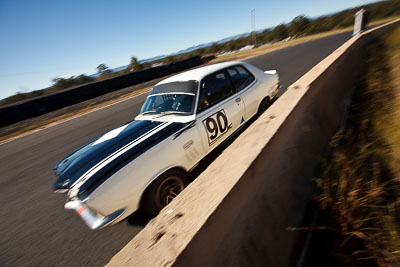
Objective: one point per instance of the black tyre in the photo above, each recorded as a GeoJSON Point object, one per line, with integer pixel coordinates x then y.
{"type": "Point", "coordinates": [163, 190]}
{"type": "Point", "coordinates": [264, 106]}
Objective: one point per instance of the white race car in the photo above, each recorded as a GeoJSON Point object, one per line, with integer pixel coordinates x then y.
{"type": "Point", "coordinates": [145, 163]}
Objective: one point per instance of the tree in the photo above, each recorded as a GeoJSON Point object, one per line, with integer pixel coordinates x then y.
{"type": "Point", "coordinates": [320, 24]}
{"type": "Point", "coordinates": [168, 60]}
{"type": "Point", "coordinates": [134, 61]}
{"type": "Point", "coordinates": [214, 48]}
{"type": "Point", "coordinates": [135, 65]}
{"type": "Point", "coordinates": [81, 79]}
{"type": "Point", "coordinates": [279, 32]}
{"type": "Point", "coordinates": [264, 37]}
{"type": "Point", "coordinates": [229, 46]}
{"type": "Point", "coordinates": [298, 25]}
{"type": "Point", "coordinates": [103, 68]}
{"type": "Point", "coordinates": [145, 65]}
{"type": "Point", "coordinates": [62, 83]}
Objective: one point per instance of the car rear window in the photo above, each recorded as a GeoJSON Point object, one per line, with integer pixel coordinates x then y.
{"type": "Point", "coordinates": [241, 77]}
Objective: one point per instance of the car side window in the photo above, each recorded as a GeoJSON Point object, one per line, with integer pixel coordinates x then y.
{"type": "Point", "coordinates": [213, 89]}
{"type": "Point", "coordinates": [241, 77]}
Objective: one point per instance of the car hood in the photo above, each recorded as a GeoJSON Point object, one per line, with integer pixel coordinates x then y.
{"type": "Point", "coordinates": [109, 150]}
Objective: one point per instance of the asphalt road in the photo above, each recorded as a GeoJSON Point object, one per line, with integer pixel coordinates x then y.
{"type": "Point", "coordinates": [34, 227]}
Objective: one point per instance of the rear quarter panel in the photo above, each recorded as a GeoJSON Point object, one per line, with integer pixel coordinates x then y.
{"type": "Point", "coordinates": [256, 92]}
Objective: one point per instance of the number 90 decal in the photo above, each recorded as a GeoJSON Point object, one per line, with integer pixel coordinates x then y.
{"type": "Point", "coordinates": [216, 125]}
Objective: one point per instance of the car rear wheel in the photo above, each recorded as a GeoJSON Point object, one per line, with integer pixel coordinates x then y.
{"type": "Point", "coordinates": [264, 106]}
{"type": "Point", "coordinates": [163, 190]}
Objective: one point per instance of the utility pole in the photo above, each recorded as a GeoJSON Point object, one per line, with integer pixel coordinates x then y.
{"type": "Point", "coordinates": [253, 26]}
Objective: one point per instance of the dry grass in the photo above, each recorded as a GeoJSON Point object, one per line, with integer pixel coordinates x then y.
{"type": "Point", "coordinates": [381, 21]}
{"type": "Point", "coordinates": [393, 134]}
{"type": "Point", "coordinates": [242, 55]}
{"type": "Point", "coordinates": [359, 182]}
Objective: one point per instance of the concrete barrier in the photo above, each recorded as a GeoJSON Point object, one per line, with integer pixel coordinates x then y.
{"type": "Point", "coordinates": [236, 213]}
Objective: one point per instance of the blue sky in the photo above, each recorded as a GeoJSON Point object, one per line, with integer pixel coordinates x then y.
{"type": "Point", "coordinates": [41, 40]}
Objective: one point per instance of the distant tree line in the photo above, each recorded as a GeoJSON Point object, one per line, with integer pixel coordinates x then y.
{"type": "Point", "coordinates": [299, 26]}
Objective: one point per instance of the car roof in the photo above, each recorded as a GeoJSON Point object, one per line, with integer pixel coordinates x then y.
{"type": "Point", "coordinates": [199, 73]}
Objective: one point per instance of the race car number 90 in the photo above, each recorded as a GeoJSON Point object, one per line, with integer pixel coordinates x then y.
{"type": "Point", "coordinates": [216, 125]}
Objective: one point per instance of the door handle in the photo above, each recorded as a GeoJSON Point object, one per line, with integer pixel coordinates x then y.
{"type": "Point", "coordinates": [237, 99]}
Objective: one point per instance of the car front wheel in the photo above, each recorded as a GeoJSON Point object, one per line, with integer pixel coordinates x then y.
{"type": "Point", "coordinates": [163, 190]}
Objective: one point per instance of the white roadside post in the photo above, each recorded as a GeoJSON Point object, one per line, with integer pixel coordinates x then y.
{"type": "Point", "coordinates": [359, 22]}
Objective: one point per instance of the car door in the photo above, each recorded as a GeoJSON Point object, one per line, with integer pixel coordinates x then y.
{"type": "Point", "coordinates": [220, 109]}
{"type": "Point", "coordinates": [246, 85]}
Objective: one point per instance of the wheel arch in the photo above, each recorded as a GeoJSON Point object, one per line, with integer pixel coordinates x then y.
{"type": "Point", "coordinates": [261, 102]}
{"type": "Point", "coordinates": [147, 186]}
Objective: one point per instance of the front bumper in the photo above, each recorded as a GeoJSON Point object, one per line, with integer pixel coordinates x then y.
{"type": "Point", "coordinates": [93, 220]}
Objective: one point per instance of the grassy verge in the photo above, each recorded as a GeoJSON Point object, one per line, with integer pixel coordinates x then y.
{"type": "Point", "coordinates": [242, 55]}
{"type": "Point", "coordinates": [358, 185]}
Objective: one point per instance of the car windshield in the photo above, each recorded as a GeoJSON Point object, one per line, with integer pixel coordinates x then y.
{"type": "Point", "coordinates": [169, 103]}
